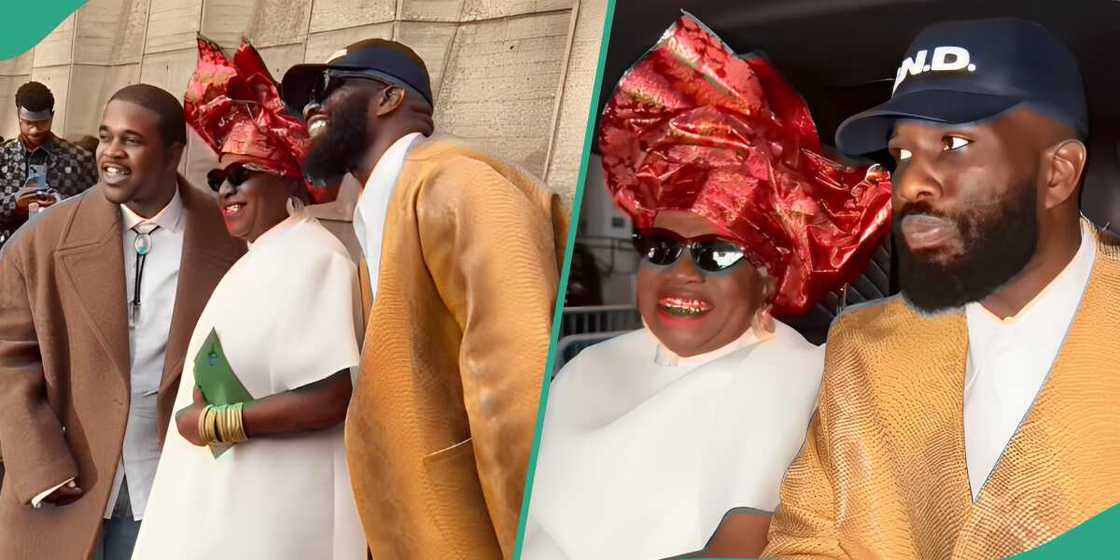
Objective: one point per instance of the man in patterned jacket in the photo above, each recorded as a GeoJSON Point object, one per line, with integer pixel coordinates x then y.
{"type": "Point", "coordinates": [37, 165]}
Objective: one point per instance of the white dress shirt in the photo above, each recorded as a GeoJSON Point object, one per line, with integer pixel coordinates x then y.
{"type": "Point", "coordinates": [1010, 359]}
{"type": "Point", "coordinates": [373, 204]}
{"type": "Point", "coordinates": [147, 344]}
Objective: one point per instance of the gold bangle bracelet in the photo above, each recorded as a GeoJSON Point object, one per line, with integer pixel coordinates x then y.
{"type": "Point", "coordinates": [228, 433]}
{"type": "Point", "coordinates": [233, 433]}
{"type": "Point", "coordinates": [208, 433]}
{"type": "Point", "coordinates": [202, 423]}
{"type": "Point", "coordinates": [220, 425]}
{"type": "Point", "coordinates": [223, 425]}
{"type": "Point", "coordinates": [241, 422]}
{"type": "Point", "coordinates": [212, 424]}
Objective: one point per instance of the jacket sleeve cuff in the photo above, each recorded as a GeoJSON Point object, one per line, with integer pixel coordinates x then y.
{"type": "Point", "coordinates": [38, 499]}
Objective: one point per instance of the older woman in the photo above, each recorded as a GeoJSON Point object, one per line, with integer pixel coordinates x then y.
{"type": "Point", "coordinates": [654, 439]}
{"type": "Point", "coordinates": [253, 465]}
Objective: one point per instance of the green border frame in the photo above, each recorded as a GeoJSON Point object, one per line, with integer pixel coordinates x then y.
{"type": "Point", "coordinates": [558, 314]}
{"type": "Point", "coordinates": [26, 23]}
{"type": "Point", "coordinates": [1098, 535]}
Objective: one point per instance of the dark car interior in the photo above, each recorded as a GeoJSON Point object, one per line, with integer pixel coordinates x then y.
{"type": "Point", "coordinates": [841, 55]}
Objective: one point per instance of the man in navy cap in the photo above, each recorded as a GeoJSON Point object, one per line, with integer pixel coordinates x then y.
{"type": "Point", "coordinates": [974, 415]}
{"type": "Point", "coordinates": [461, 258]}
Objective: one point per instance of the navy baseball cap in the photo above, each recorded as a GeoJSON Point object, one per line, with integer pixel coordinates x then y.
{"type": "Point", "coordinates": [388, 61]}
{"type": "Point", "coordinates": [959, 72]}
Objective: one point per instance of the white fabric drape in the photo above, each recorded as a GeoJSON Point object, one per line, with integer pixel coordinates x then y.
{"type": "Point", "coordinates": [285, 313]}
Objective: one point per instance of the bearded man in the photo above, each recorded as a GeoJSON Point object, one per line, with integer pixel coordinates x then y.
{"type": "Point", "coordinates": [461, 258]}
{"type": "Point", "coordinates": [975, 415]}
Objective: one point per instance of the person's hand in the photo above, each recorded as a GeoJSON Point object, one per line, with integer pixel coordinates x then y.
{"type": "Point", "coordinates": [65, 495]}
{"type": "Point", "coordinates": [35, 195]}
{"type": "Point", "coordinates": [186, 420]}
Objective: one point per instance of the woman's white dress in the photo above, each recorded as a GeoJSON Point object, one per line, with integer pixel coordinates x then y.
{"type": "Point", "coordinates": [642, 452]}
{"type": "Point", "coordinates": [286, 314]}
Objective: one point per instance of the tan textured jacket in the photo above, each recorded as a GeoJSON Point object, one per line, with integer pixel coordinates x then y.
{"type": "Point", "coordinates": [64, 360]}
{"type": "Point", "coordinates": [883, 471]}
{"type": "Point", "coordinates": [441, 421]}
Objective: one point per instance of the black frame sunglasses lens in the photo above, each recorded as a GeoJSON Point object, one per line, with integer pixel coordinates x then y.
{"type": "Point", "coordinates": [322, 90]}
{"type": "Point", "coordinates": [236, 175]}
{"type": "Point", "coordinates": [715, 255]}
{"type": "Point", "coordinates": [215, 178]}
{"type": "Point", "coordinates": [658, 249]}
{"type": "Point", "coordinates": [709, 255]}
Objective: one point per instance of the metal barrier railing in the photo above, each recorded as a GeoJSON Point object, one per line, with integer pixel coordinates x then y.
{"type": "Point", "coordinates": [569, 346]}
{"type": "Point", "coordinates": [600, 318]}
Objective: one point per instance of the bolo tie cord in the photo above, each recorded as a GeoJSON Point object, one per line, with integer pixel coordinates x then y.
{"type": "Point", "coordinates": [142, 245]}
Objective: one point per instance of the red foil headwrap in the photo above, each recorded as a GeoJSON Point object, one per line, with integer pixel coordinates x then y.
{"type": "Point", "coordinates": [693, 127]}
{"type": "Point", "coordinates": [235, 107]}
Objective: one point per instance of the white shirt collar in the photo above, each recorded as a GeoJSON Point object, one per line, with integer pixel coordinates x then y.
{"type": "Point", "coordinates": [169, 218]}
{"type": "Point", "coordinates": [373, 203]}
{"type": "Point", "coordinates": [389, 163]}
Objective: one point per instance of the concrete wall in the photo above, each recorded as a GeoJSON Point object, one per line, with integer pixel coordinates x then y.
{"type": "Point", "coordinates": [514, 76]}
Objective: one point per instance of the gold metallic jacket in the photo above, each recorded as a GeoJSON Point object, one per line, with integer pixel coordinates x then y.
{"type": "Point", "coordinates": [883, 473]}
{"type": "Point", "coordinates": [441, 422]}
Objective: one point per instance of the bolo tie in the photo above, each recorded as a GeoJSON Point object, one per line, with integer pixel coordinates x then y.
{"type": "Point", "coordinates": [142, 245]}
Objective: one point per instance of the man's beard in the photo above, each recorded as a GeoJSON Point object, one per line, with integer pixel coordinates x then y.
{"type": "Point", "coordinates": [998, 241]}
{"type": "Point", "coordinates": [337, 149]}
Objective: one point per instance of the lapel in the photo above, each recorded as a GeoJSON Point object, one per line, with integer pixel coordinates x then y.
{"type": "Point", "coordinates": [91, 259]}
{"type": "Point", "coordinates": [202, 265]}
{"type": "Point", "coordinates": [927, 356]}
{"type": "Point", "coordinates": [1061, 433]}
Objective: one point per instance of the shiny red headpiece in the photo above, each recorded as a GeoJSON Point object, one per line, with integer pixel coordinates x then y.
{"type": "Point", "coordinates": [235, 107]}
{"type": "Point", "coordinates": [693, 127]}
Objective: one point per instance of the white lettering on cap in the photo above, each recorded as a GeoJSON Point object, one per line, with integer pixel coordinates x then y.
{"type": "Point", "coordinates": [944, 59]}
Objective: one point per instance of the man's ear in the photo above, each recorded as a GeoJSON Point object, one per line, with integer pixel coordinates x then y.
{"type": "Point", "coordinates": [1065, 164]}
{"type": "Point", "coordinates": [175, 153]}
{"type": "Point", "coordinates": [389, 99]}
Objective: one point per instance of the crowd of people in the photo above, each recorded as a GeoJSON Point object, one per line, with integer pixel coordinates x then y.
{"type": "Point", "coordinates": [193, 374]}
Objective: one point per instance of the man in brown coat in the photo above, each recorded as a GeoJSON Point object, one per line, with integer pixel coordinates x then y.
{"type": "Point", "coordinates": [462, 252]}
{"type": "Point", "coordinates": [98, 297]}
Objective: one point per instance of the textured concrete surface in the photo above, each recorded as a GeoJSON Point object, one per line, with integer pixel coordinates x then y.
{"type": "Point", "coordinates": [514, 76]}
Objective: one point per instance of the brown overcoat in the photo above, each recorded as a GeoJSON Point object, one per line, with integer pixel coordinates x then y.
{"type": "Point", "coordinates": [64, 360]}
{"type": "Point", "coordinates": [441, 421]}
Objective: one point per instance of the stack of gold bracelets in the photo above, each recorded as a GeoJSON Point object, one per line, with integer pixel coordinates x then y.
{"type": "Point", "coordinates": [222, 423]}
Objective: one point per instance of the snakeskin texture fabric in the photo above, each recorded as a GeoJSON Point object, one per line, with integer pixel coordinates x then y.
{"type": "Point", "coordinates": [883, 472]}
{"type": "Point", "coordinates": [441, 422]}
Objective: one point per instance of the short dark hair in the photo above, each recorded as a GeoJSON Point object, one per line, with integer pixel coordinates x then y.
{"type": "Point", "coordinates": [172, 122]}
{"type": "Point", "coordinates": [35, 97]}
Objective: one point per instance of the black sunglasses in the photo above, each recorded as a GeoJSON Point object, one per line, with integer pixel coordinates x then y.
{"type": "Point", "coordinates": [710, 253]}
{"type": "Point", "coordinates": [334, 79]}
{"type": "Point", "coordinates": [235, 174]}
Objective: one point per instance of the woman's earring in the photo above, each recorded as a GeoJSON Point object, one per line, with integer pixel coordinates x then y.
{"type": "Point", "coordinates": [763, 323]}
{"type": "Point", "coordinates": [295, 206]}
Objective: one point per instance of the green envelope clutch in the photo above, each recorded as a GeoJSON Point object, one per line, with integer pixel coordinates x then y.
{"type": "Point", "coordinates": [216, 380]}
